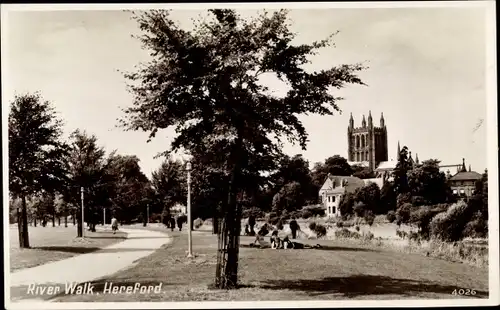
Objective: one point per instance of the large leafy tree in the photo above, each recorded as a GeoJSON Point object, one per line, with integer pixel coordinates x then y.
{"type": "Point", "coordinates": [169, 184]}
{"type": "Point", "coordinates": [369, 195]}
{"type": "Point", "coordinates": [290, 198]}
{"type": "Point", "coordinates": [295, 170]}
{"type": "Point", "coordinates": [401, 172]}
{"type": "Point", "coordinates": [87, 169]}
{"type": "Point", "coordinates": [130, 195]}
{"type": "Point", "coordinates": [205, 83]}
{"type": "Point", "coordinates": [36, 153]}
{"type": "Point", "coordinates": [428, 182]}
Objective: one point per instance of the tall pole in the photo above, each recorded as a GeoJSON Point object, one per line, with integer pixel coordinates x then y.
{"type": "Point", "coordinates": [190, 241]}
{"type": "Point", "coordinates": [83, 222]}
{"type": "Point", "coordinates": [104, 219]}
{"type": "Point", "coordinates": [147, 212]}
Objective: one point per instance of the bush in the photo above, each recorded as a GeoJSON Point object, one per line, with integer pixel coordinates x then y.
{"type": "Point", "coordinates": [477, 228]}
{"type": "Point", "coordinates": [312, 226]}
{"type": "Point", "coordinates": [359, 208]}
{"type": "Point", "coordinates": [367, 236]}
{"type": "Point", "coordinates": [306, 214]}
{"type": "Point", "coordinates": [422, 217]}
{"type": "Point", "coordinates": [254, 211]}
{"type": "Point", "coordinates": [155, 218]}
{"type": "Point", "coordinates": [450, 225]}
{"type": "Point", "coordinates": [320, 230]}
{"type": "Point", "coordinates": [197, 223]}
{"type": "Point", "coordinates": [391, 216]}
{"type": "Point", "coordinates": [403, 213]}
{"type": "Point", "coordinates": [369, 218]}
{"type": "Point", "coordinates": [403, 199]}
{"type": "Point", "coordinates": [315, 210]}
{"type": "Point", "coordinates": [347, 234]}
{"type": "Point", "coordinates": [340, 224]}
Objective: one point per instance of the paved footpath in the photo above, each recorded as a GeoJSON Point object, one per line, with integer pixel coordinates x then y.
{"type": "Point", "coordinates": [95, 265]}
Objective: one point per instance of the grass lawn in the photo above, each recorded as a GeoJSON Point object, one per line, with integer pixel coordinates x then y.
{"type": "Point", "coordinates": [55, 243]}
{"type": "Point", "coordinates": [337, 271]}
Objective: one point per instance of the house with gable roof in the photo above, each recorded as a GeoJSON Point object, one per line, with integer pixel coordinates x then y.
{"type": "Point", "coordinates": [334, 188]}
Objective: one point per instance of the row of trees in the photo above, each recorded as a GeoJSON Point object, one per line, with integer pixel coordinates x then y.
{"type": "Point", "coordinates": [47, 173]}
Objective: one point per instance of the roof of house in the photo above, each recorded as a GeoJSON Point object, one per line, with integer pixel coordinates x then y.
{"type": "Point", "coordinates": [378, 181]}
{"type": "Point", "coordinates": [387, 165]}
{"type": "Point", "coordinates": [359, 163]}
{"type": "Point", "coordinates": [333, 183]}
{"type": "Point", "coordinates": [466, 175]}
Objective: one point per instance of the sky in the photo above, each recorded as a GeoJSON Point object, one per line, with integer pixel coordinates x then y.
{"type": "Point", "coordinates": [426, 74]}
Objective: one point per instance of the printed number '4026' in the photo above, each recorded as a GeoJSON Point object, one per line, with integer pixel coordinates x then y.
{"type": "Point", "coordinates": [464, 292]}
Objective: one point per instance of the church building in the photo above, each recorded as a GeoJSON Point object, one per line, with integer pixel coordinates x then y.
{"type": "Point", "coordinates": [367, 145]}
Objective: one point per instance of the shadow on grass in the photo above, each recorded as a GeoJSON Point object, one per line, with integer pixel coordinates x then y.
{"type": "Point", "coordinates": [67, 249]}
{"type": "Point", "coordinates": [107, 237]}
{"type": "Point", "coordinates": [84, 250]}
{"type": "Point", "coordinates": [362, 285]}
{"type": "Point", "coordinates": [322, 248]}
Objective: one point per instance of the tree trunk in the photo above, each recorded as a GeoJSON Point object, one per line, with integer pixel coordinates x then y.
{"type": "Point", "coordinates": [24, 241]}
{"type": "Point", "coordinates": [74, 218]}
{"type": "Point", "coordinates": [58, 221]}
{"type": "Point", "coordinates": [65, 220]}
{"type": "Point", "coordinates": [34, 220]}
{"type": "Point", "coordinates": [215, 225]}
{"type": "Point", "coordinates": [226, 275]}
{"type": "Point", "coordinates": [54, 219]}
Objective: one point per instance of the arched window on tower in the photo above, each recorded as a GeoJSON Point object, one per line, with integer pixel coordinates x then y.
{"type": "Point", "coordinates": [363, 141]}
{"type": "Point", "coordinates": [357, 157]}
{"type": "Point", "coordinates": [357, 141]}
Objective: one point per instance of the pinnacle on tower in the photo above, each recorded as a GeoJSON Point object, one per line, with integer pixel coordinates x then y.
{"type": "Point", "coordinates": [351, 122]}
{"type": "Point", "coordinates": [416, 159]}
{"type": "Point", "coordinates": [370, 121]}
{"type": "Point", "coordinates": [399, 151]}
{"type": "Point", "coordinates": [363, 122]}
{"type": "Point", "coordinates": [469, 168]}
{"type": "Point", "coordinates": [382, 121]}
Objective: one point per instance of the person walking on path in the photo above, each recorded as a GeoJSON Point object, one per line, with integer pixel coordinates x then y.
{"type": "Point", "coordinates": [114, 224]}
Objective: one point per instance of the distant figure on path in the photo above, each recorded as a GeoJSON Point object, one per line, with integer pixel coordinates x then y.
{"type": "Point", "coordinates": [114, 224]}
{"type": "Point", "coordinates": [172, 223]}
{"type": "Point", "coordinates": [179, 222]}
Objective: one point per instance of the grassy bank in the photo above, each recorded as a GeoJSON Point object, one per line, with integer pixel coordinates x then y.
{"type": "Point", "coordinates": [336, 271]}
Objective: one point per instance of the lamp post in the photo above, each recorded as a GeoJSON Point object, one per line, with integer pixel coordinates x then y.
{"type": "Point", "coordinates": [190, 241]}
{"type": "Point", "coordinates": [83, 219]}
{"type": "Point", "coordinates": [147, 221]}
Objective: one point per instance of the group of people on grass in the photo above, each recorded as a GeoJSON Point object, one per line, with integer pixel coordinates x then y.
{"type": "Point", "coordinates": [281, 243]}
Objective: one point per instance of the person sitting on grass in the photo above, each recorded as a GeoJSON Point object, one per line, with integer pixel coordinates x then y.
{"type": "Point", "coordinates": [275, 240]}
{"type": "Point", "coordinates": [287, 244]}
{"type": "Point", "coordinates": [259, 237]}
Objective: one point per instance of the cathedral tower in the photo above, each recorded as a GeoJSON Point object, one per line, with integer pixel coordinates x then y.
{"type": "Point", "coordinates": [368, 142]}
